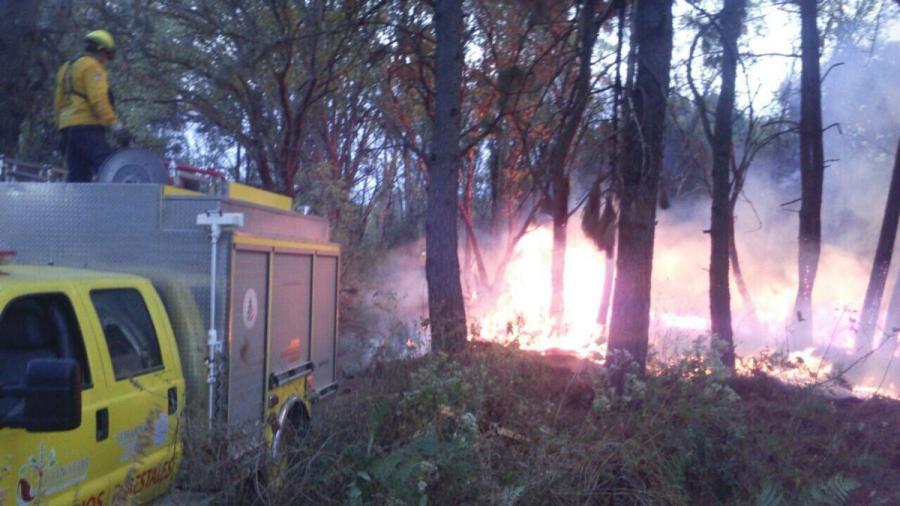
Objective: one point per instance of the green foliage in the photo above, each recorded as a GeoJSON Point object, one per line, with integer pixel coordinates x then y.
{"type": "Point", "coordinates": [442, 385]}
{"type": "Point", "coordinates": [832, 492]}
{"type": "Point", "coordinates": [497, 425]}
{"type": "Point", "coordinates": [439, 458]}
{"type": "Point", "coordinates": [407, 473]}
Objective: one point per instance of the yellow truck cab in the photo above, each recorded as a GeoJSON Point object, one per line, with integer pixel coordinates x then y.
{"type": "Point", "coordinates": [91, 388]}
{"type": "Point", "coordinates": [138, 317]}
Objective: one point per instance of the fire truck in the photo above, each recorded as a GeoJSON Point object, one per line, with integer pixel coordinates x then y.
{"type": "Point", "coordinates": [134, 316]}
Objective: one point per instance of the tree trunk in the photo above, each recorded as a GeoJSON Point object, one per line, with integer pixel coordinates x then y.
{"type": "Point", "coordinates": [630, 321]}
{"type": "Point", "coordinates": [609, 270]}
{"type": "Point", "coordinates": [812, 171]}
{"type": "Point", "coordinates": [892, 321]}
{"type": "Point", "coordinates": [560, 212]}
{"type": "Point", "coordinates": [755, 325]}
{"type": "Point", "coordinates": [882, 264]}
{"type": "Point", "coordinates": [499, 204]}
{"type": "Point", "coordinates": [730, 21]}
{"type": "Point", "coordinates": [387, 197]}
{"type": "Point", "coordinates": [609, 273]}
{"type": "Point", "coordinates": [447, 313]}
{"type": "Point", "coordinates": [468, 258]}
{"type": "Point", "coordinates": [559, 177]}
{"type": "Point", "coordinates": [412, 173]}
{"type": "Point", "coordinates": [18, 21]}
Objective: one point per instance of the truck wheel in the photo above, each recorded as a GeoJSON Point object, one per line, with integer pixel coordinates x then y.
{"type": "Point", "coordinates": [296, 429]}
{"type": "Point", "coordinates": [293, 432]}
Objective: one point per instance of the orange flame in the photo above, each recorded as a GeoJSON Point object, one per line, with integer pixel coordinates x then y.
{"type": "Point", "coordinates": [519, 313]}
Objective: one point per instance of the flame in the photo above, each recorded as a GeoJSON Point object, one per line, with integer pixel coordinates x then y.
{"type": "Point", "coordinates": [519, 313]}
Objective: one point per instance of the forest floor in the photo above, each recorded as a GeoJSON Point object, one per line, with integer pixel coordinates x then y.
{"type": "Point", "coordinates": [502, 426]}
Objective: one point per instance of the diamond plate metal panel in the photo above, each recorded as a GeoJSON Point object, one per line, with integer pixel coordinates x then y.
{"type": "Point", "coordinates": [279, 224]}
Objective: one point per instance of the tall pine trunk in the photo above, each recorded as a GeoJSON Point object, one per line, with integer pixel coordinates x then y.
{"type": "Point", "coordinates": [447, 313]}
{"type": "Point", "coordinates": [559, 177]}
{"type": "Point", "coordinates": [884, 251]}
{"type": "Point", "coordinates": [630, 321]}
{"type": "Point", "coordinates": [609, 270]}
{"type": "Point", "coordinates": [560, 214]}
{"type": "Point", "coordinates": [730, 21]}
{"type": "Point", "coordinates": [812, 171]}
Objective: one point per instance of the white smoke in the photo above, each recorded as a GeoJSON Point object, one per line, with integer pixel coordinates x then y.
{"type": "Point", "coordinates": [863, 97]}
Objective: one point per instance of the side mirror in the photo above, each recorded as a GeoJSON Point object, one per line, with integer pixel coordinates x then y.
{"type": "Point", "coordinates": [52, 395]}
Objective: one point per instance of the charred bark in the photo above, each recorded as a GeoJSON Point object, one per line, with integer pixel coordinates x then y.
{"type": "Point", "coordinates": [447, 313]}
{"type": "Point", "coordinates": [599, 226]}
{"type": "Point", "coordinates": [883, 253]}
{"type": "Point", "coordinates": [812, 170]}
{"type": "Point", "coordinates": [630, 320]}
{"type": "Point", "coordinates": [721, 229]}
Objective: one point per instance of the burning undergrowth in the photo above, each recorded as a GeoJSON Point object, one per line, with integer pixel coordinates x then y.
{"type": "Point", "coordinates": [512, 306]}
{"type": "Point", "coordinates": [499, 425]}
{"type": "Point", "coordinates": [764, 321]}
{"type": "Point", "coordinates": [388, 320]}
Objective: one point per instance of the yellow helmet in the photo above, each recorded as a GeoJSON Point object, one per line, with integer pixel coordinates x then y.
{"type": "Point", "coordinates": [101, 39]}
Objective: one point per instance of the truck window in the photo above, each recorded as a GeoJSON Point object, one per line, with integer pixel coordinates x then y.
{"type": "Point", "coordinates": [35, 327]}
{"type": "Point", "coordinates": [130, 335]}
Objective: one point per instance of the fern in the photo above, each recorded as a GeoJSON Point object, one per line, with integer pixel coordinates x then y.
{"type": "Point", "coordinates": [833, 492]}
{"type": "Point", "coordinates": [511, 494]}
{"type": "Point", "coordinates": [770, 496]}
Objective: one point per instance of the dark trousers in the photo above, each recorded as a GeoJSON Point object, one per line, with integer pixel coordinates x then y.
{"type": "Point", "coordinates": [85, 149]}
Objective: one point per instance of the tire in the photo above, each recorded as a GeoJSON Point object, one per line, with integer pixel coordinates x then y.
{"type": "Point", "coordinates": [296, 428]}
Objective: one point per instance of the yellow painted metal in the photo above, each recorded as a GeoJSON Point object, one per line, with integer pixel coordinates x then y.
{"type": "Point", "coordinates": [174, 191]}
{"type": "Point", "coordinates": [242, 238]}
{"type": "Point", "coordinates": [37, 277]}
{"type": "Point", "coordinates": [288, 395]}
{"type": "Point", "coordinates": [295, 388]}
{"type": "Point", "coordinates": [253, 195]}
{"type": "Point", "coordinates": [285, 395]}
{"type": "Point", "coordinates": [34, 465]}
{"type": "Point", "coordinates": [149, 446]}
{"type": "Point", "coordinates": [268, 408]}
{"type": "Point", "coordinates": [139, 458]}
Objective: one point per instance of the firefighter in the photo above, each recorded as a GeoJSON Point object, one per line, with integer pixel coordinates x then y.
{"type": "Point", "coordinates": [84, 110]}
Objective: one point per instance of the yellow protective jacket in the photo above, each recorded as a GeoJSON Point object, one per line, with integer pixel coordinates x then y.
{"type": "Point", "coordinates": [82, 94]}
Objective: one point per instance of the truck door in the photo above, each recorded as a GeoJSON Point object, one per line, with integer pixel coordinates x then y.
{"type": "Point", "coordinates": [289, 350]}
{"type": "Point", "coordinates": [145, 390]}
{"type": "Point", "coordinates": [247, 347]}
{"type": "Point", "coordinates": [325, 279]}
{"type": "Point", "coordinates": [50, 467]}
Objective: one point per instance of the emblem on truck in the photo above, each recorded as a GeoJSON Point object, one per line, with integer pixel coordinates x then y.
{"type": "Point", "coordinates": [43, 476]}
{"type": "Point", "coordinates": [251, 308]}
